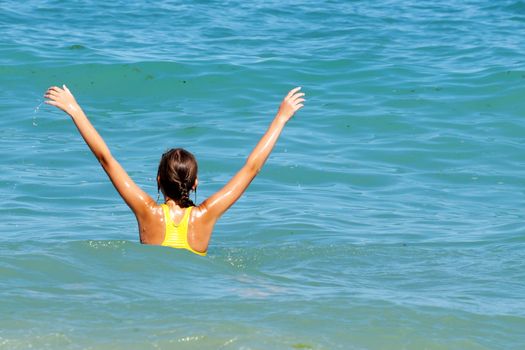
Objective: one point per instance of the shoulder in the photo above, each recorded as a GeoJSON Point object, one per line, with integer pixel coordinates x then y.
{"type": "Point", "coordinates": [200, 229]}
{"type": "Point", "coordinates": [152, 224]}
{"type": "Point", "coordinates": [152, 211]}
{"type": "Point", "coordinates": [199, 213]}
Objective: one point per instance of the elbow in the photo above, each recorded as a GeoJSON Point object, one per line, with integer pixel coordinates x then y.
{"type": "Point", "coordinates": [104, 159]}
{"type": "Point", "coordinates": [253, 168]}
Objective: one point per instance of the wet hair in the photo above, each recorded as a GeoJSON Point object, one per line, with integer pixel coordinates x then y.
{"type": "Point", "coordinates": [176, 176]}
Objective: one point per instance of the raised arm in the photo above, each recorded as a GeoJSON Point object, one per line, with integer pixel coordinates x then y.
{"type": "Point", "coordinates": [213, 207]}
{"type": "Point", "coordinates": [135, 198]}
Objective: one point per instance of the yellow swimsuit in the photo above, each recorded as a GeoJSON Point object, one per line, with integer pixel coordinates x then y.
{"type": "Point", "coordinates": [177, 235]}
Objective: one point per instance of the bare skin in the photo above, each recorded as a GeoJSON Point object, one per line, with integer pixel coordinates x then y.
{"type": "Point", "coordinates": [149, 214]}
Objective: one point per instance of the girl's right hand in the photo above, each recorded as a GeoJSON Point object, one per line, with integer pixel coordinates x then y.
{"type": "Point", "coordinates": [62, 98]}
{"type": "Point", "coordinates": [291, 104]}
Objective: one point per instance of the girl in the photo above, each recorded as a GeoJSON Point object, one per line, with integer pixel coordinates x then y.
{"type": "Point", "coordinates": [178, 222]}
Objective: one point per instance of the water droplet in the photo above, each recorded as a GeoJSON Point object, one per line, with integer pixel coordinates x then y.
{"type": "Point", "coordinates": [37, 108]}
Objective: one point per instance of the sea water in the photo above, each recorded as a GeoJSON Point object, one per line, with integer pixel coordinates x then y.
{"type": "Point", "coordinates": [389, 216]}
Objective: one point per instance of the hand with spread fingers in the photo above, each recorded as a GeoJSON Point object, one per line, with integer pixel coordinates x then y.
{"type": "Point", "coordinates": [291, 104]}
{"type": "Point", "coordinates": [62, 98]}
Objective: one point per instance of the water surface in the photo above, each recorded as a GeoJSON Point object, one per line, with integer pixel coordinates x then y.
{"type": "Point", "coordinates": [389, 216]}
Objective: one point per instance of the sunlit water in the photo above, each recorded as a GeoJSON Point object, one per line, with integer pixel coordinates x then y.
{"type": "Point", "coordinates": [390, 215]}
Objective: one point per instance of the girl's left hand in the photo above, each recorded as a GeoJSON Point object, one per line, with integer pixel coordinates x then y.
{"type": "Point", "coordinates": [293, 102]}
{"type": "Point", "coordinates": [62, 98]}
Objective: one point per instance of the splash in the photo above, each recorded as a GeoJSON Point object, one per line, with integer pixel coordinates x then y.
{"type": "Point", "coordinates": [36, 109]}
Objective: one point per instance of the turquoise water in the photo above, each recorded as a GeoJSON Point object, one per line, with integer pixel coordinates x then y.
{"type": "Point", "coordinates": [390, 215]}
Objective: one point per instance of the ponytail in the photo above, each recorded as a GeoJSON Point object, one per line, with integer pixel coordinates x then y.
{"type": "Point", "coordinates": [177, 175]}
{"type": "Point", "coordinates": [184, 200]}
